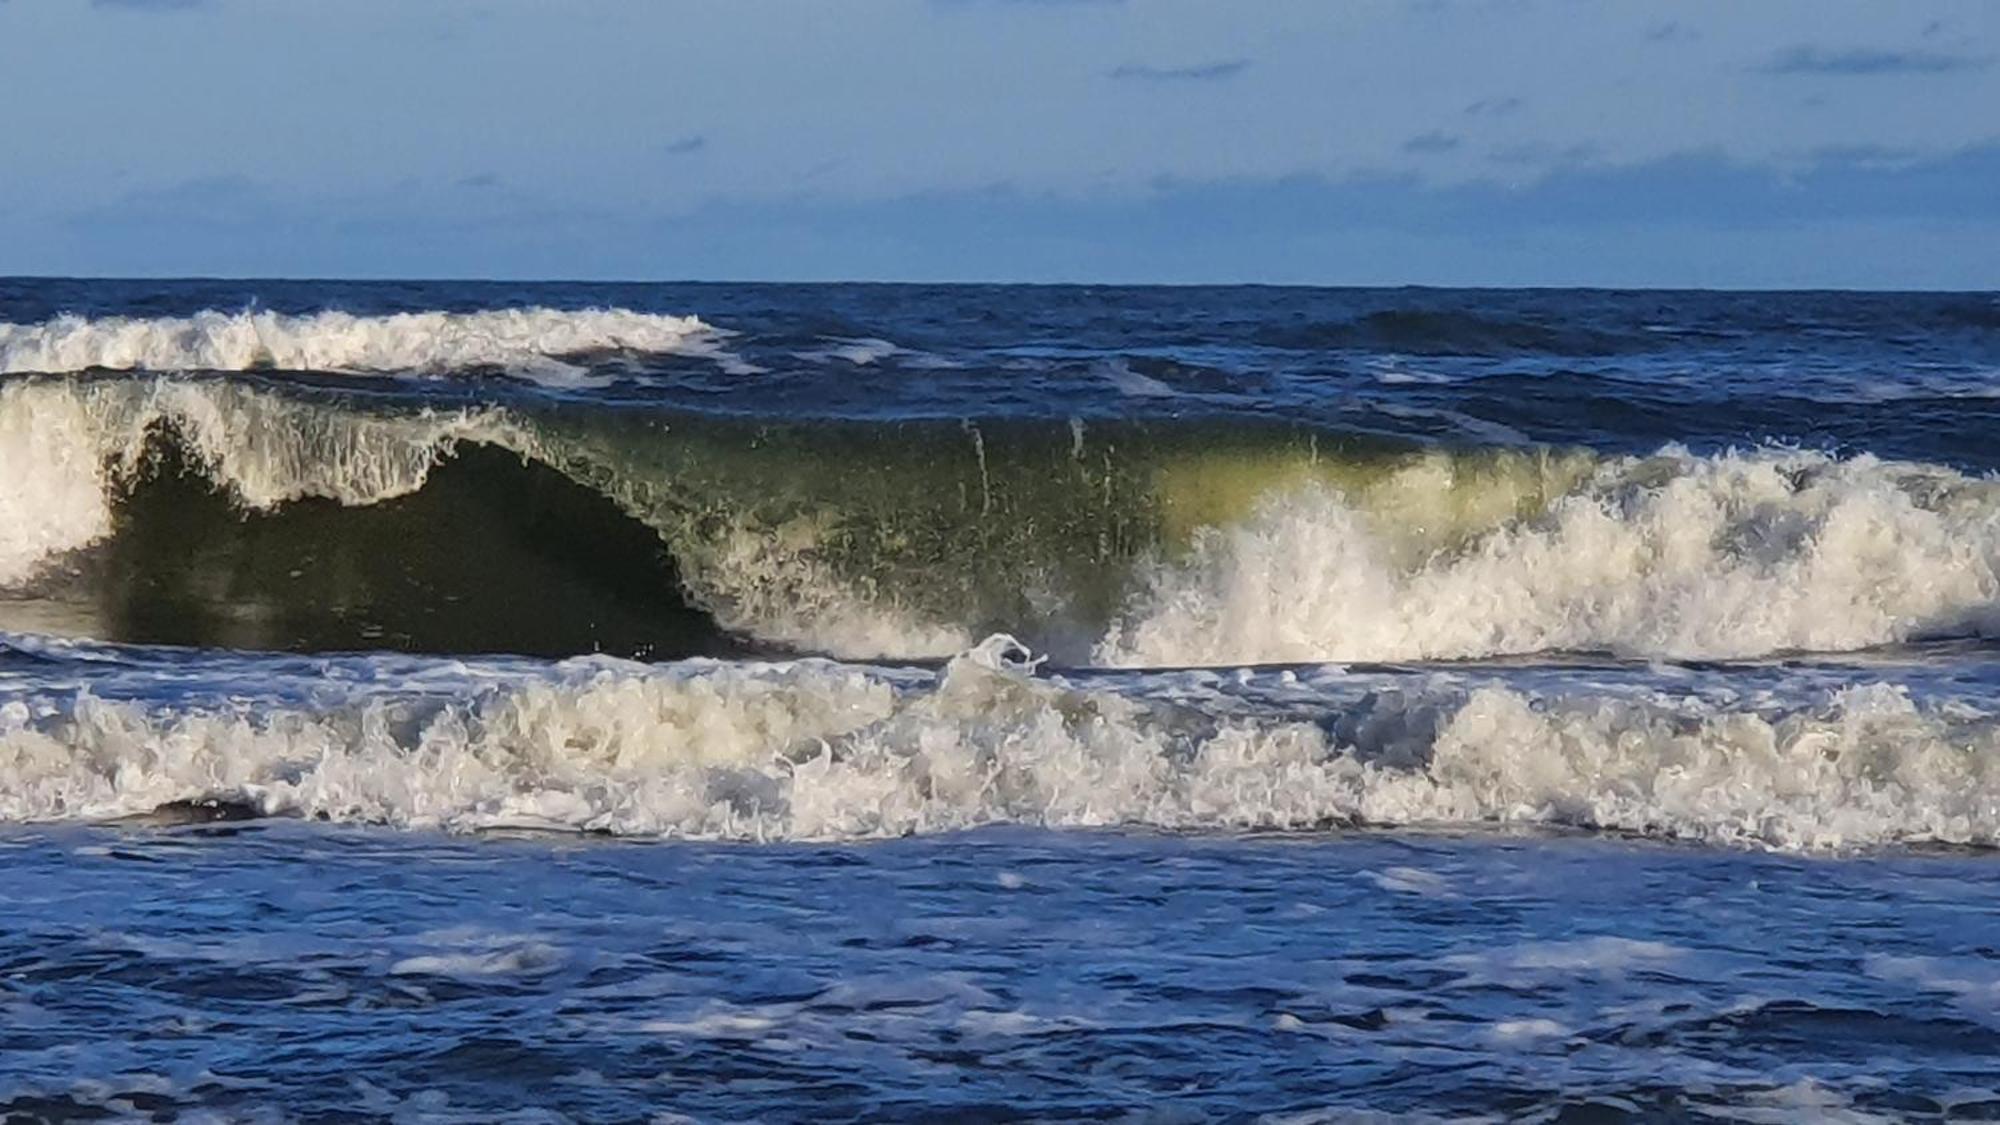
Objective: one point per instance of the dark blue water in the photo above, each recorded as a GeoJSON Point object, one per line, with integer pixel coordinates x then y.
{"type": "Point", "coordinates": [1626, 370]}
{"type": "Point", "coordinates": [1005, 975]}
{"type": "Point", "coordinates": [464, 701]}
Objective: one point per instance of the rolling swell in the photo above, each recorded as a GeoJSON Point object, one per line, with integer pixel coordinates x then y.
{"type": "Point", "coordinates": [1448, 332]}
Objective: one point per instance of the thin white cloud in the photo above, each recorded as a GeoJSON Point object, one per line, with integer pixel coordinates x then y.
{"type": "Point", "coordinates": [1200, 72]}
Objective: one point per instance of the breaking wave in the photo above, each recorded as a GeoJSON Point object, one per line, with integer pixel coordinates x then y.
{"type": "Point", "coordinates": [1680, 556]}
{"type": "Point", "coordinates": [823, 751]}
{"type": "Point", "coordinates": [527, 342]}
{"type": "Point", "coordinates": [1212, 542]}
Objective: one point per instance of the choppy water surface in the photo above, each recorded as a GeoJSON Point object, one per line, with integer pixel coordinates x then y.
{"type": "Point", "coordinates": [331, 972]}
{"type": "Point", "coordinates": [454, 701]}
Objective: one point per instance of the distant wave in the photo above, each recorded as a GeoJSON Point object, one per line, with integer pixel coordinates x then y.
{"type": "Point", "coordinates": [1444, 332]}
{"type": "Point", "coordinates": [527, 342]}
{"type": "Point", "coordinates": [823, 751]}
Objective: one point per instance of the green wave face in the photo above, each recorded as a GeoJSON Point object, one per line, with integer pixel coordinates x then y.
{"type": "Point", "coordinates": [225, 504]}
{"type": "Point", "coordinates": [912, 538]}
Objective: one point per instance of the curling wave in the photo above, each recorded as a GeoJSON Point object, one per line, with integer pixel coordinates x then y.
{"type": "Point", "coordinates": [527, 342]}
{"type": "Point", "coordinates": [1220, 541]}
{"type": "Point", "coordinates": [816, 750]}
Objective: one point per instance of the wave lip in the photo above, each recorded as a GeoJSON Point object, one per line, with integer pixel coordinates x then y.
{"type": "Point", "coordinates": [69, 449]}
{"type": "Point", "coordinates": [527, 342]}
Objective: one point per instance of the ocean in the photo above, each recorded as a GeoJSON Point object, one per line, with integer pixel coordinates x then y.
{"type": "Point", "coordinates": [450, 701]}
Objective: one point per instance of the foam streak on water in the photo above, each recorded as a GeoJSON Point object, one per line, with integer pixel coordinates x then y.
{"type": "Point", "coordinates": [1068, 975]}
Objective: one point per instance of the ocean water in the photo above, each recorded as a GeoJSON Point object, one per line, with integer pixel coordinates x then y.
{"type": "Point", "coordinates": [457, 701]}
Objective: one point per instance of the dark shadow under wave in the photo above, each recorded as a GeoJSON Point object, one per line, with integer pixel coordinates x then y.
{"type": "Point", "coordinates": [493, 554]}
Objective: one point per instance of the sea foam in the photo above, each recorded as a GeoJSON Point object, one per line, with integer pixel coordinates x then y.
{"type": "Point", "coordinates": [824, 751]}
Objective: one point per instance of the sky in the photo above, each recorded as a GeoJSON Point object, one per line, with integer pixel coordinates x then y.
{"type": "Point", "coordinates": [1783, 143]}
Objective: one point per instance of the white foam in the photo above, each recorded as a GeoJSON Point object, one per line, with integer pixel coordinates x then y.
{"type": "Point", "coordinates": [816, 750]}
{"type": "Point", "coordinates": [1528, 1030]}
{"type": "Point", "coordinates": [1742, 554]}
{"type": "Point", "coordinates": [1602, 955]}
{"type": "Point", "coordinates": [53, 460]}
{"type": "Point", "coordinates": [1412, 881]}
{"type": "Point", "coordinates": [529, 342]}
{"type": "Point", "coordinates": [1973, 981]}
{"type": "Point", "coordinates": [526, 959]}
{"type": "Point", "coordinates": [773, 582]}
{"type": "Point", "coordinates": [866, 351]}
{"type": "Point", "coordinates": [1136, 384]}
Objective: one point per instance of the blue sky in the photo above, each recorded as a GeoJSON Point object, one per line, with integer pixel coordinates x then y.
{"type": "Point", "coordinates": [1778, 143]}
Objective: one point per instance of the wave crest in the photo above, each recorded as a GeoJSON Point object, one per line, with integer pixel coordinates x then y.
{"type": "Point", "coordinates": [528, 342]}
{"type": "Point", "coordinates": [68, 449]}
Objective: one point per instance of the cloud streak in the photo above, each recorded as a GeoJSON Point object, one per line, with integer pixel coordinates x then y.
{"type": "Point", "coordinates": [1432, 142]}
{"type": "Point", "coordinates": [1201, 72]}
{"type": "Point", "coordinates": [1695, 219]}
{"type": "Point", "coordinates": [1857, 62]}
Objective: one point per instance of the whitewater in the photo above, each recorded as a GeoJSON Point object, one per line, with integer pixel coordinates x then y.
{"type": "Point", "coordinates": [529, 343]}
{"type": "Point", "coordinates": [815, 750]}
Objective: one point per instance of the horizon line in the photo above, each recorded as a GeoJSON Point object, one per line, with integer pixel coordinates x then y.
{"type": "Point", "coordinates": [969, 283]}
